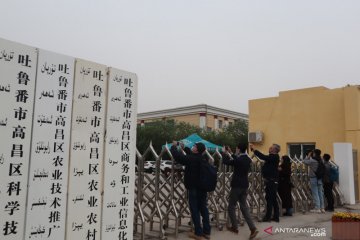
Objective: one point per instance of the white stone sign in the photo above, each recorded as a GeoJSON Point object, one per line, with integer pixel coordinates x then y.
{"type": "Point", "coordinates": [87, 149]}
{"type": "Point", "coordinates": [17, 83]}
{"type": "Point", "coordinates": [120, 149]}
{"type": "Point", "coordinates": [48, 175]}
{"type": "Point", "coordinates": [67, 147]}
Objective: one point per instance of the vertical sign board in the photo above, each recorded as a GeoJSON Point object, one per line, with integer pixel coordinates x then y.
{"type": "Point", "coordinates": [120, 149]}
{"type": "Point", "coordinates": [17, 85]}
{"type": "Point", "coordinates": [48, 175]}
{"type": "Point", "coordinates": [86, 153]}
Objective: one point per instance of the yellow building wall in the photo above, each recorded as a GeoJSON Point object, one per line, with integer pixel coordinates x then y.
{"type": "Point", "coordinates": [210, 121]}
{"type": "Point", "coordinates": [315, 115]}
{"type": "Point", "coordinates": [352, 104]}
{"type": "Point", "coordinates": [352, 122]}
{"type": "Point", "coordinates": [191, 119]}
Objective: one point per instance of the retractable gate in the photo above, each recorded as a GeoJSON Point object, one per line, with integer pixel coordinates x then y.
{"type": "Point", "coordinates": [161, 206]}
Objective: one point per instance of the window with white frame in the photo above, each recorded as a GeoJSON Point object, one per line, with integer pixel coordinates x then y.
{"type": "Point", "coordinates": [220, 124]}
{"type": "Point", "coordinates": [299, 149]}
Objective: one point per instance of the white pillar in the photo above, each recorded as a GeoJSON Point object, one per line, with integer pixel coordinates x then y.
{"type": "Point", "coordinates": [226, 122]}
{"type": "Point", "coordinates": [216, 123]}
{"type": "Point", "coordinates": [344, 158]}
{"type": "Point", "coordinates": [202, 123]}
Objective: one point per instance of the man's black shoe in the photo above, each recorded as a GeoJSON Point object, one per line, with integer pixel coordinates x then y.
{"type": "Point", "coordinates": [275, 219]}
{"type": "Point", "coordinates": [232, 229]}
{"type": "Point", "coordinates": [265, 219]}
{"type": "Point", "coordinates": [253, 233]}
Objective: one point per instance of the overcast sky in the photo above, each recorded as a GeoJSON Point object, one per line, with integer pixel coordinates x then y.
{"type": "Point", "coordinates": [186, 52]}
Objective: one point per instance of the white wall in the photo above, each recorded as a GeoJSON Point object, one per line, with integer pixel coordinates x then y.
{"type": "Point", "coordinates": [344, 158]}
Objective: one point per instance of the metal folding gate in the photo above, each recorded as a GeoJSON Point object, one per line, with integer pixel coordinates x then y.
{"type": "Point", "coordinates": [161, 206]}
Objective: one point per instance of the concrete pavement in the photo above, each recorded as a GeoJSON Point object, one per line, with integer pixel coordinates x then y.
{"type": "Point", "coordinates": [299, 226]}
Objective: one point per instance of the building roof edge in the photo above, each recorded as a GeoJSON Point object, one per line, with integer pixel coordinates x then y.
{"type": "Point", "coordinates": [192, 110]}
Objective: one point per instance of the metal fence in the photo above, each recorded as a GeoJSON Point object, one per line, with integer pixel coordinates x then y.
{"type": "Point", "coordinates": [161, 206]}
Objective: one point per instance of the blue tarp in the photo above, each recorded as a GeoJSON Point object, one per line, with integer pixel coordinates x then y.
{"type": "Point", "coordinates": [194, 138]}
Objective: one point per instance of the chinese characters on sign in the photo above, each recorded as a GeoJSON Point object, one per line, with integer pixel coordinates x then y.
{"type": "Point", "coordinates": [46, 208]}
{"type": "Point", "coordinates": [120, 148]}
{"type": "Point", "coordinates": [87, 148]}
{"type": "Point", "coordinates": [17, 83]}
{"type": "Point", "coordinates": [61, 177]}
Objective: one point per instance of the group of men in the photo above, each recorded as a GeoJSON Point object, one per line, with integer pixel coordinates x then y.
{"type": "Point", "coordinates": [321, 182]}
{"type": "Point", "coordinates": [239, 185]}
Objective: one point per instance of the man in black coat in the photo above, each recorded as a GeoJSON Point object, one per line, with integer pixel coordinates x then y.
{"type": "Point", "coordinates": [270, 173]}
{"type": "Point", "coordinates": [239, 186]}
{"type": "Point", "coordinates": [197, 198]}
{"type": "Point", "coordinates": [328, 184]}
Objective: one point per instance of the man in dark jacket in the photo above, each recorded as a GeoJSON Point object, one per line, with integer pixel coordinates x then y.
{"type": "Point", "coordinates": [270, 173]}
{"type": "Point", "coordinates": [197, 198]}
{"type": "Point", "coordinates": [328, 184]}
{"type": "Point", "coordinates": [239, 186]}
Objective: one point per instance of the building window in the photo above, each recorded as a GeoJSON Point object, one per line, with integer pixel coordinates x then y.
{"type": "Point", "coordinates": [299, 149]}
{"type": "Point", "coordinates": [220, 124]}
{"type": "Point", "coordinates": [202, 123]}
{"type": "Point", "coordinates": [230, 124]}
